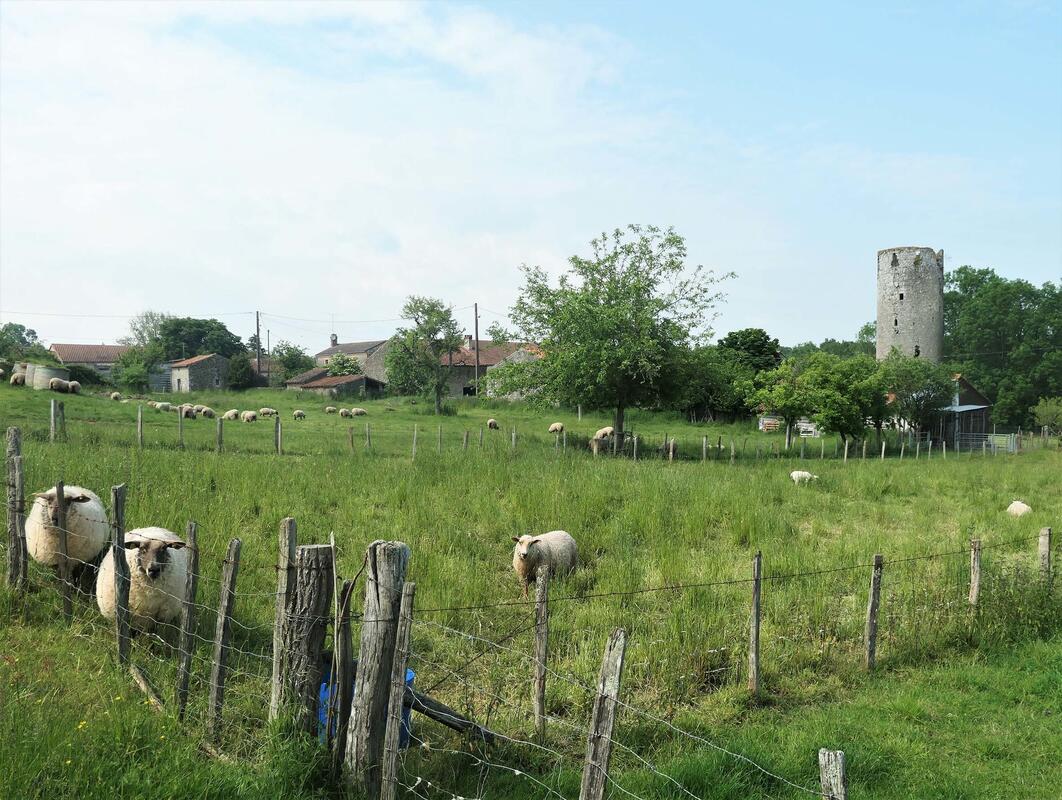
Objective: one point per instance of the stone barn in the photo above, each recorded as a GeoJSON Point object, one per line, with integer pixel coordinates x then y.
{"type": "Point", "coordinates": [199, 373]}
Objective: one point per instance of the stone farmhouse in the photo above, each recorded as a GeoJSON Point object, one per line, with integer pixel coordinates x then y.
{"type": "Point", "coordinates": [198, 373]}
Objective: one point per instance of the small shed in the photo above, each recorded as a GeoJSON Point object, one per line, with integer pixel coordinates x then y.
{"type": "Point", "coordinates": [198, 373]}
{"type": "Point", "coordinates": [342, 386]}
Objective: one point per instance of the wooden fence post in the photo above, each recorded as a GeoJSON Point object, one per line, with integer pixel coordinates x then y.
{"type": "Point", "coordinates": [16, 508]}
{"type": "Point", "coordinates": [704, 448]}
{"type": "Point", "coordinates": [368, 435]}
{"type": "Point", "coordinates": [343, 680]}
{"type": "Point", "coordinates": [822, 449]}
{"type": "Point", "coordinates": [635, 447]}
{"type": "Point", "coordinates": [464, 441]}
{"type": "Point", "coordinates": [222, 634]}
{"type": "Point", "coordinates": [754, 626]}
{"type": "Point", "coordinates": [396, 697]}
{"type": "Point", "coordinates": [929, 450]}
{"type": "Point", "coordinates": [140, 425]}
{"type": "Point", "coordinates": [599, 741]}
{"type": "Point", "coordinates": [903, 445]}
{"type": "Point", "coordinates": [350, 438]}
{"type": "Point", "coordinates": [870, 634]}
{"type": "Point", "coordinates": [287, 540]}
{"type": "Point", "coordinates": [480, 437]}
{"type": "Point", "coordinates": [514, 438]}
{"type": "Point", "coordinates": [832, 775]}
{"type": "Point", "coordinates": [975, 571]}
{"type": "Point", "coordinates": [121, 574]}
{"type": "Point", "coordinates": [984, 448]}
{"type": "Point", "coordinates": [385, 573]}
{"type": "Point", "coordinates": [864, 449]}
{"type": "Point", "coordinates": [732, 452]}
{"type": "Point", "coordinates": [188, 619]}
{"type": "Point", "coordinates": [803, 443]}
{"type": "Point", "coordinates": [52, 419]}
{"type": "Point", "coordinates": [1045, 556]}
{"type": "Point", "coordinates": [64, 561]}
{"type": "Point", "coordinates": [883, 449]}
{"type": "Point", "coordinates": [918, 448]}
{"type": "Point", "coordinates": [414, 441]}
{"type": "Point", "coordinates": [538, 698]}
{"type": "Point", "coordinates": [62, 420]}
{"type": "Point", "coordinates": [579, 412]}
{"type": "Point", "coordinates": [220, 435]}
{"type": "Point", "coordinates": [845, 451]}
{"type": "Point", "coordinates": [439, 446]}
{"type": "Point", "coordinates": [278, 435]}
{"type": "Point", "coordinates": [180, 429]}
{"type": "Point", "coordinates": [304, 631]}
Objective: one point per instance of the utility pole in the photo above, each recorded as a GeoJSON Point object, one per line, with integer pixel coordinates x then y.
{"type": "Point", "coordinates": [475, 311]}
{"type": "Point", "coordinates": [269, 363]}
{"type": "Point", "coordinates": [258, 341]}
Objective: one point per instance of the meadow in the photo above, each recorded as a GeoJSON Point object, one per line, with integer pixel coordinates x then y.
{"type": "Point", "coordinates": [963, 704]}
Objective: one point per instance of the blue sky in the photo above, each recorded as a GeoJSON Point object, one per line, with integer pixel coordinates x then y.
{"type": "Point", "coordinates": [325, 160]}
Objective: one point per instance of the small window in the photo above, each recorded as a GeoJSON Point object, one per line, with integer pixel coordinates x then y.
{"type": "Point", "coordinates": [895, 322]}
{"type": "Point", "coordinates": [918, 351]}
{"type": "Point", "coordinates": [901, 295]}
{"type": "Point", "coordinates": [217, 381]}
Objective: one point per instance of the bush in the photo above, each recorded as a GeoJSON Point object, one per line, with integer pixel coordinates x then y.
{"type": "Point", "coordinates": [241, 374]}
{"type": "Point", "coordinates": [86, 376]}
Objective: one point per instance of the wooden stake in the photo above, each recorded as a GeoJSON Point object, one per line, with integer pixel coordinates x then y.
{"type": "Point", "coordinates": [188, 619]}
{"type": "Point", "coordinates": [16, 509]}
{"type": "Point", "coordinates": [278, 435]}
{"type": "Point", "coordinates": [368, 435]}
{"type": "Point", "coordinates": [903, 445]}
{"type": "Point", "coordinates": [180, 429]}
{"type": "Point", "coordinates": [599, 741]}
{"type": "Point", "coordinates": [803, 442]}
{"type": "Point", "coordinates": [754, 626]}
{"type": "Point", "coordinates": [864, 449]}
{"type": "Point", "coordinates": [846, 451]}
{"type": "Point", "coordinates": [287, 540]}
{"type": "Point", "coordinates": [385, 573]}
{"type": "Point", "coordinates": [414, 441]}
{"type": "Point", "coordinates": [350, 438]}
{"type": "Point", "coordinates": [704, 448]}
{"type": "Point", "coordinates": [870, 634]}
{"type": "Point", "coordinates": [64, 561]}
{"type": "Point", "coordinates": [882, 449]}
{"type": "Point", "coordinates": [145, 686]}
{"type": "Point", "coordinates": [464, 441]}
{"type": "Point", "coordinates": [480, 437]}
{"type": "Point", "coordinates": [439, 445]}
{"type": "Point", "coordinates": [832, 775]}
{"type": "Point", "coordinates": [732, 453]}
{"type": "Point", "coordinates": [140, 425]}
{"type": "Point", "coordinates": [918, 448]}
{"type": "Point", "coordinates": [222, 634]}
{"type": "Point", "coordinates": [396, 697]}
{"type": "Point", "coordinates": [944, 449]}
{"type": "Point", "coordinates": [52, 419]}
{"type": "Point", "coordinates": [538, 697]}
{"type": "Point", "coordinates": [564, 440]}
{"type": "Point", "coordinates": [1045, 556]}
{"type": "Point", "coordinates": [929, 450]}
{"type": "Point", "coordinates": [975, 571]}
{"type": "Point", "coordinates": [635, 447]}
{"type": "Point", "coordinates": [822, 449]}
{"type": "Point", "coordinates": [62, 420]}
{"type": "Point", "coordinates": [220, 435]}
{"type": "Point", "coordinates": [514, 438]}
{"type": "Point", "coordinates": [121, 574]}
{"type": "Point", "coordinates": [304, 632]}
{"type": "Point", "coordinates": [343, 680]}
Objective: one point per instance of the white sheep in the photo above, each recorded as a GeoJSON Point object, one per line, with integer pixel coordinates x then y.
{"type": "Point", "coordinates": [556, 427]}
{"type": "Point", "coordinates": [1018, 509]}
{"type": "Point", "coordinates": [163, 407]}
{"type": "Point", "coordinates": [87, 528]}
{"type": "Point", "coordinates": [492, 424]}
{"type": "Point", "coordinates": [330, 409]}
{"type": "Point", "coordinates": [267, 412]}
{"type": "Point", "coordinates": [232, 413]}
{"type": "Point", "coordinates": [604, 433]}
{"type": "Point", "coordinates": [199, 408]}
{"type": "Point", "coordinates": [116, 395]}
{"type": "Point", "coordinates": [800, 476]}
{"type": "Point", "coordinates": [153, 404]}
{"type": "Point", "coordinates": [186, 411]}
{"type": "Point", "coordinates": [358, 412]}
{"type": "Point", "coordinates": [59, 385]}
{"type": "Point", "coordinates": [158, 567]}
{"type": "Point", "coordinates": [555, 550]}
{"type": "Point", "coordinates": [75, 387]}
{"type": "Point", "coordinates": [298, 413]}
{"type": "Point", "coordinates": [345, 412]}
{"type": "Point", "coordinates": [249, 416]}
{"type": "Point", "coordinates": [18, 379]}
{"type": "Point", "coordinates": [207, 412]}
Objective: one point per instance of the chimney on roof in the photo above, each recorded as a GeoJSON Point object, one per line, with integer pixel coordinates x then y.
{"type": "Point", "coordinates": [333, 339]}
{"type": "Point", "coordinates": [468, 341]}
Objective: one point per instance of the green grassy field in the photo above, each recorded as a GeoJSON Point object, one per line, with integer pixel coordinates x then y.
{"type": "Point", "coordinates": [963, 705]}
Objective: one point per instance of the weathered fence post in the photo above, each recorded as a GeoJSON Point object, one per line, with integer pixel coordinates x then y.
{"type": "Point", "coordinates": [718, 448]}
{"type": "Point", "coordinates": [514, 438]}
{"type": "Point", "coordinates": [385, 573]}
{"type": "Point", "coordinates": [62, 420]}
{"type": "Point", "coordinates": [918, 448]}
{"type": "Point", "coordinates": [16, 508]}
{"type": "Point", "coordinates": [480, 437]}
{"type": "Point", "coordinates": [278, 435]}
{"type": "Point", "coordinates": [704, 448]}
{"type": "Point", "coordinates": [864, 449]}
{"type": "Point", "coordinates": [343, 680]}
{"type": "Point", "coordinates": [803, 443]}
{"type": "Point", "coordinates": [287, 540]}
{"type": "Point", "coordinates": [53, 408]}
{"type": "Point", "coordinates": [414, 441]}
{"type": "Point", "coordinates": [220, 435]}
{"type": "Point", "coordinates": [599, 741]}
{"type": "Point", "coordinates": [929, 450]}
{"type": "Point", "coordinates": [822, 449]}
{"type": "Point", "coordinates": [754, 625]}
{"type": "Point", "coordinates": [368, 435]}
{"type": "Point", "coordinates": [635, 447]}
{"type": "Point", "coordinates": [439, 446]}
{"type": "Point", "coordinates": [870, 634]}
{"type": "Point", "coordinates": [845, 451]}
{"type": "Point", "coordinates": [903, 445]}
{"type": "Point", "coordinates": [121, 573]}
{"type": "Point", "coordinates": [64, 560]}
{"type": "Point", "coordinates": [832, 775]}
{"type": "Point", "coordinates": [396, 697]}
{"type": "Point", "coordinates": [188, 619]}
{"type": "Point", "coordinates": [350, 438]}
{"type": "Point", "coordinates": [464, 441]}
{"type": "Point", "coordinates": [538, 698]}
{"type": "Point", "coordinates": [180, 429]}
{"type": "Point", "coordinates": [975, 570]}
{"type": "Point", "coordinates": [140, 425]}
{"type": "Point", "coordinates": [579, 412]}
{"type": "Point", "coordinates": [732, 452]}
{"type": "Point", "coordinates": [944, 449]}
{"type": "Point", "coordinates": [222, 634]}
{"type": "Point", "coordinates": [984, 448]}
{"type": "Point", "coordinates": [564, 440]}
{"type": "Point", "coordinates": [883, 449]}
{"type": "Point", "coordinates": [304, 631]}
{"type": "Point", "coordinates": [1045, 556]}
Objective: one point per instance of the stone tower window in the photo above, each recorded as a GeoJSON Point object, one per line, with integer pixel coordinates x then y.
{"type": "Point", "coordinates": [895, 322]}
{"type": "Point", "coordinates": [901, 295]}
{"type": "Point", "coordinates": [918, 351]}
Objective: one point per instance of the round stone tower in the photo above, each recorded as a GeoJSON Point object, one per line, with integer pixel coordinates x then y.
{"type": "Point", "coordinates": [911, 302]}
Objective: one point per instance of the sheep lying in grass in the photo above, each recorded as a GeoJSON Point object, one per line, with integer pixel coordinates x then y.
{"type": "Point", "coordinates": [358, 412]}
{"type": "Point", "coordinates": [345, 412]}
{"type": "Point", "coordinates": [207, 412]}
{"type": "Point", "coordinates": [158, 566]}
{"type": "Point", "coordinates": [492, 424]}
{"type": "Point", "coordinates": [232, 413]}
{"type": "Point", "coordinates": [556, 427]}
{"type": "Point", "coordinates": [59, 385]}
{"type": "Point", "coordinates": [87, 528]}
{"type": "Point", "coordinates": [249, 416]}
{"type": "Point", "coordinates": [116, 395]}
{"type": "Point", "coordinates": [186, 411]}
{"type": "Point", "coordinates": [555, 550]}
{"type": "Point", "coordinates": [330, 409]}
{"type": "Point", "coordinates": [1018, 509]}
{"type": "Point", "coordinates": [298, 413]}
{"type": "Point", "coordinates": [799, 476]}
{"type": "Point", "coordinates": [18, 379]}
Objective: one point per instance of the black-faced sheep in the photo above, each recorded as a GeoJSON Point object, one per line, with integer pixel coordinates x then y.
{"type": "Point", "coordinates": [492, 424]}
{"type": "Point", "coordinates": [158, 566]}
{"type": "Point", "coordinates": [298, 413]}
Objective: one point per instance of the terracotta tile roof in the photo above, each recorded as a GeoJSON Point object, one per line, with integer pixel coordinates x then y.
{"type": "Point", "coordinates": [331, 381]}
{"type": "Point", "coordinates": [351, 348]}
{"type": "Point", "coordinates": [490, 353]}
{"type": "Point", "coordinates": [187, 362]}
{"type": "Point", "coordinates": [307, 376]}
{"type": "Point", "coordinates": [89, 353]}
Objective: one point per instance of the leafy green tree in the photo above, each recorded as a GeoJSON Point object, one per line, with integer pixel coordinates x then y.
{"type": "Point", "coordinates": [145, 330]}
{"type": "Point", "coordinates": [291, 359]}
{"type": "Point", "coordinates": [131, 372]}
{"type": "Point", "coordinates": [1048, 413]}
{"type": "Point", "coordinates": [19, 343]}
{"type": "Point", "coordinates": [753, 348]}
{"type": "Point", "coordinates": [846, 393]}
{"type": "Point", "coordinates": [919, 387]}
{"type": "Point", "coordinates": [615, 322]}
{"type": "Point", "coordinates": [341, 364]}
{"type": "Point", "coordinates": [418, 358]}
{"type": "Point", "coordinates": [707, 382]}
{"type": "Point", "coordinates": [780, 391]}
{"type": "Point", "coordinates": [241, 373]}
{"type": "Point", "coordinates": [184, 337]}
{"type": "Point", "coordinates": [253, 343]}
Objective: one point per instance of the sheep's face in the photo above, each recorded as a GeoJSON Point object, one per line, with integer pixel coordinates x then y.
{"type": "Point", "coordinates": [72, 497]}
{"type": "Point", "coordinates": [524, 546]}
{"type": "Point", "coordinates": [152, 556]}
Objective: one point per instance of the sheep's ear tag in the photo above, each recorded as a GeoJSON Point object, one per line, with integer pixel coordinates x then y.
{"type": "Point", "coordinates": [515, 538]}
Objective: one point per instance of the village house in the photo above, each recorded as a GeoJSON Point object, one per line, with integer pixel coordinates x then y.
{"type": "Point", "coordinates": [318, 381]}
{"type": "Point", "coordinates": [100, 357]}
{"type": "Point", "coordinates": [198, 373]}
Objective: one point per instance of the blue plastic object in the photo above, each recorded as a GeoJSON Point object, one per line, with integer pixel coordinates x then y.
{"type": "Point", "coordinates": [326, 693]}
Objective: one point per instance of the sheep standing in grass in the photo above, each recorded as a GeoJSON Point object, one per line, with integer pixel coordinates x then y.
{"type": "Point", "coordinates": [18, 379]}
{"type": "Point", "coordinates": [231, 414]}
{"type": "Point", "coordinates": [267, 412]}
{"type": "Point", "coordinates": [59, 385]}
{"type": "Point", "coordinates": [555, 550]}
{"type": "Point", "coordinates": [298, 413]}
{"type": "Point", "coordinates": [188, 412]}
{"type": "Point", "coordinates": [345, 412]}
{"type": "Point", "coordinates": [87, 528]}
{"type": "Point", "coordinates": [492, 424]}
{"type": "Point", "coordinates": [163, 407]}
{"type": "Point", "coordinates": [1018, 509]}
{"type": "Point", "coordinates": [330, 409]}
{"type": "Point", "coordinates": [74, 387]}
{"type": "Point", "coordinates": [604, 433]}
{"type": "Point", "coordinates": [198, 408]}
{"type": "Point", "coordinates": [116, 395]}
{"type": "Point", "coordinates": [158, 566]}
{"type": "Point", "coordinates": [358, 412]}
{"type": "Point", "coordinates": [249, 416]}
{"type": "Point", "coordinates": [556, 427]}
{"type": "Point", "coordinates": [207, 412]}
{"type": "Point", "coordinates": [799, 476]}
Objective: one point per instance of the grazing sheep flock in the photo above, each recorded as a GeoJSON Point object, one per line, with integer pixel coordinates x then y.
{"type": "Point", "coordinates": [86, 525]}
{"type": "Point", "coordinates": [358, 412]}
{"type": "Point", "coordinates": [18, 379]}
{"type": "Point", "coordinates": [158, 566]}
{"type": "Point", "coordinates": [555, 550]}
